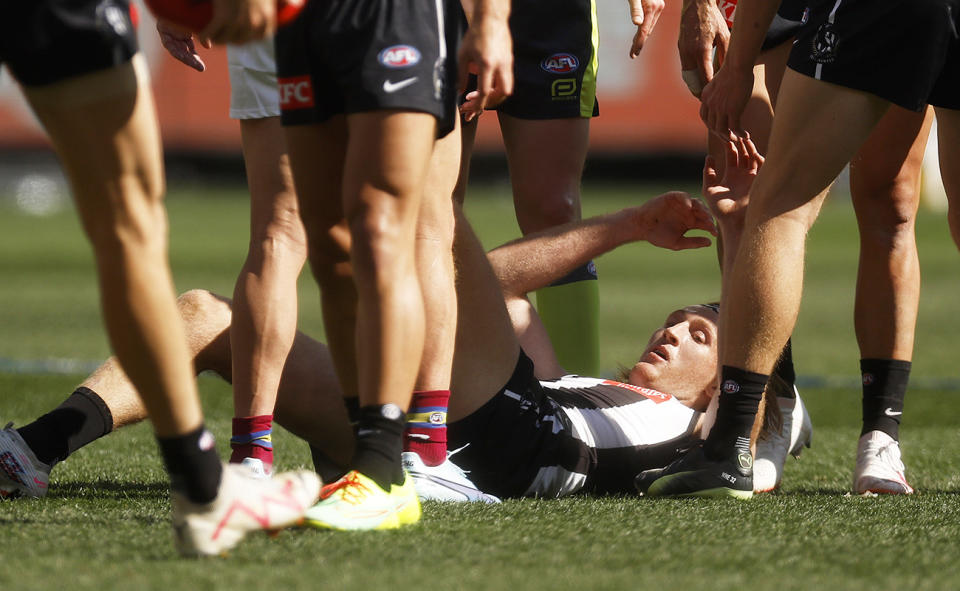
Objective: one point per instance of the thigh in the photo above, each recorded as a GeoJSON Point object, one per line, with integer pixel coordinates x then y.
{"type": "Point", "coordinates": [104, 128]}
{"type": "Point", "coordinates": [273, 199]}
{"type": "Point", "coordinates": [885, 173]}
{"type": "Point", "coordinates": [316, 154]}
{"type": "Point", "coordinates": [817, 130]}
{"type": "Point", "coordinates": [388, 153]}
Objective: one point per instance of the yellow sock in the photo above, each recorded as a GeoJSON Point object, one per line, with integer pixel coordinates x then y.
{"type": "Point", "coordinates": [570, 310]}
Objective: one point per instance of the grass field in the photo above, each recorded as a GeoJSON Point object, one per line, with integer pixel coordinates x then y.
{"type": "Point", "coordinates": [105, 523]}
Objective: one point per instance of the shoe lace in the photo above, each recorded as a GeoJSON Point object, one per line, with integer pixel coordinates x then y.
{"type": "Point", "coordinates": [450, 454]}
{"type": "Point", "coordinates": [352, 490]}
{"type": "Point", "coordinates": [890, 455]}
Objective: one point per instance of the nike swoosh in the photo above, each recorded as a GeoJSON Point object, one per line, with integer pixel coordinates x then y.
{"type": "Point", "coordinates": [889, 412]}
{"type": "Point", "coordinates": [390, 87]}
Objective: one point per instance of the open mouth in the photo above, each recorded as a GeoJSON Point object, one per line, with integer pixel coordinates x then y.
{"type": "Point", "coordinates": [660, 353]}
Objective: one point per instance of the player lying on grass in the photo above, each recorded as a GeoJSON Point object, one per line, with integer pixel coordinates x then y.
{"type": "Point", "coordinates": [528, 428]}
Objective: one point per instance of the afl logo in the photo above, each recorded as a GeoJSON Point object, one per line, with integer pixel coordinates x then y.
{"type": "Point", "coordinates": [560, 63]}
{"type": "Point", "coordinates": [868, 379]}
{"type": "Point", "coordinates": [399, 56]}
{"type": "Point", "coordinates": [731, 387]}
{"type": "Point", "coordinates": [437, 418]}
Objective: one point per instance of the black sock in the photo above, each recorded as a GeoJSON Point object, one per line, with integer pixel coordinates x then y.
{"type": "Point", "coordinates": [324, 466]}
{"type": "Point", "coordinates": [884, 387]}
{"type": "Point", "coordinates": [784, 369]}
{"type": "Point", "coordinates": [193, 464]}
{"type": "Point", "coordinates": [740, 394]}
{"type": "Point", "coordinates": [81, 418]}
{"type": "Point", "coordinates": [379, 443]}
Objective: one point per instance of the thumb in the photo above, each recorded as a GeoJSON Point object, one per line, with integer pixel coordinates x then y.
{"type": "Point", "coordinates": [636, 12]}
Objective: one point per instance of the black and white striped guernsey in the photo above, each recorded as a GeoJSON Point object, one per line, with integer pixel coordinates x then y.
{"type": "Point", "coordinates": [574, 434]}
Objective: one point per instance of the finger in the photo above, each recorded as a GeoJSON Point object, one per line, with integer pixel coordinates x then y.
{"type": "Point", "coordinates": [755, 155]}
{"type": "Point", "coordinates": [705, 64]}
{"type": "Point", "coordinates": [709, 173]}
{"type": "Point", "coordinates": [636, 12]}
{"type": "Point", "coordinates": [505, 80]}
{"type": "Point", "coordinates": [637, 45]}
{"type": "Point", "coordinates": [691, 242]}
{"type": "Point", "coordinates": [732, 152]}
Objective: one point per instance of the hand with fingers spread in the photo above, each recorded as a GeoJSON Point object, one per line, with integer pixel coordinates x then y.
{"type": "Point", "coordinates": [240, 21]}
{"type": "Point", "coordinates": [180, 44]}
{"type": "Point", "coordinates": [487, 51]}
{"type": "Point", "coordinates": [702, 29]}
{"type": "Point", "coordinates": [728, 197]}
{"type": "Point", "coordinates": [644, 14]}
{"type": "Point", "coordinates": [664, 221]}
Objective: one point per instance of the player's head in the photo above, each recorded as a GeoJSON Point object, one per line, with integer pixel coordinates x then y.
{"type": "Point", "coordinates": [681, 357]}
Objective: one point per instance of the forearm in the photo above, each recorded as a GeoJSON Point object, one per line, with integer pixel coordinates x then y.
{"type": "Point", "coordinates": [751, 23]}
{"type": "Point", "coordinates": [539, 259]}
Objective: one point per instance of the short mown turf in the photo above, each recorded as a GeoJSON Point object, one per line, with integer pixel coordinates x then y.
{"type": "Point", "coordinates": [105, 523]}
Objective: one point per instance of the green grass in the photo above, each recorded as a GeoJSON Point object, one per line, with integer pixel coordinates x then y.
{"type": "Point", "coordinates": [105, 523]}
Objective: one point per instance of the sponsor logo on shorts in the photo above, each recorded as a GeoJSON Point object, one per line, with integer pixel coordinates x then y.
{"type": "Point", "coordinates": [390, 87]}
{"type": "Point", "coordinates": [399, 56]}
{"type": "Point", "coordinates": [564, 89]}
{"type": "Point", "coordinates": [823, 48]}
{"type": "Point", "coordinates": [731, 387]}
{"type": "Point", "coordinates": [295, 92]}
{"type": "Point", "coordinates": [560, 63]}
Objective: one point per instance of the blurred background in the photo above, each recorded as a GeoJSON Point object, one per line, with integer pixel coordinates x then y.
{"type": "Point", "coordinates": [648, 139]}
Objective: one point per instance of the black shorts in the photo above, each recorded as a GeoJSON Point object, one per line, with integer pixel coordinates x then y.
{"type": "Point", "coordinates": [904, 51]}
{"type": "Point", "coordinates": [555, 60]}
{"type": "Point", "coordinates": [47, 41]}
{"type": "Point", "coordinates": [510, 438]}
{"type": "Point", "coordinates": [786, 23]}
{"type": "Point", "coordinates": [354, 56]}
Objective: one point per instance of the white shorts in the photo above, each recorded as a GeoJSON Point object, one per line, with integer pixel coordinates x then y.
{"type": "Point", "coordinates": [253, 80]}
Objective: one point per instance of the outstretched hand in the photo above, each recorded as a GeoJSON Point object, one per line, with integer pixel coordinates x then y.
{"type": "Point", "coordinates": [665, 220]}
{"type": "Point", "coordinates": [487, 51]}
{"type": "Point", "coordinates": [644, 14]}
{"type": "Point", "coordinates": [728, 197]}
{"type": "Point", "coordinates": [179, 43]}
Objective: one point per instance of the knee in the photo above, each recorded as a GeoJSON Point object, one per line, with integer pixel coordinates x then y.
{"type": "Point", "coordinates": [541, 209]}
{"type": "Point", "coordinates": [132, 216]}
{"type": "Point", "coordinates": [381, 234]}
{"type": "Point", "coordinates": [281, 238]}
{"type": "Point", "coordinates": [887, 211]}
{"type": "Point", "coordinates": [199, 306]}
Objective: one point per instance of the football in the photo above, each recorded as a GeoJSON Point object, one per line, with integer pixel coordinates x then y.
{"type": "Point", "coordinates": [194, 15]}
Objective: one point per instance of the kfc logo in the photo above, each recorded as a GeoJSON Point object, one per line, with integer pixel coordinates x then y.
{"type": "Point", "coordinates": [295, 93]}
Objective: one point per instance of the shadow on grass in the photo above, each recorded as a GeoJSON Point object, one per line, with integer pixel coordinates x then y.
{"type": "Point", "coordinates": [111, 490]}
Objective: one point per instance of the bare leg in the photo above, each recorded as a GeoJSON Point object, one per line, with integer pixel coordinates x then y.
{"type": "Point", "coordinates": [265, 297]}
{"type": "Point", "coordinates": [386, 165]}
{"type": "Point", "coordinates": [112, 155]}
{"type": "Point", "coordinates": [318, 182]}
{"type": "Point", "coordinates": [546, 166]}
{"type": "Point", "coordinates": [948, 129]}
{"type": "Point", "coordinates": [885, 185]}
